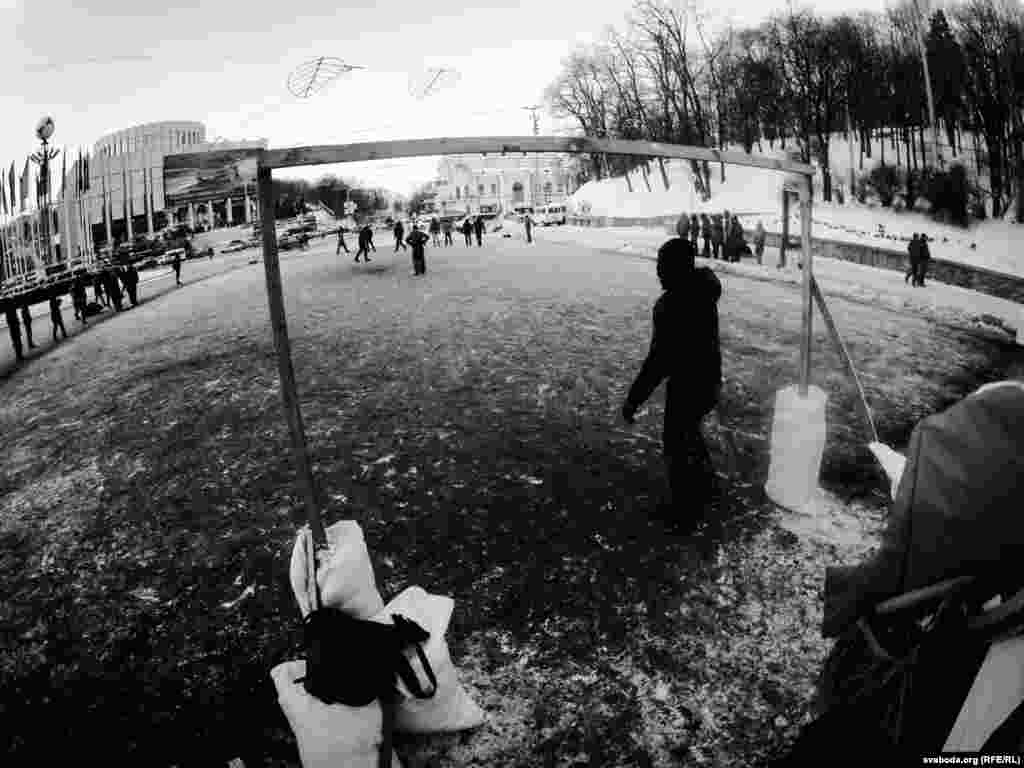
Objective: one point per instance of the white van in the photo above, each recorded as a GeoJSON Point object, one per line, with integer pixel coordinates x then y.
{"type": "Point", "coordinates": [521, 210]}
{"type": "Point", "coordinates": [551, 214]}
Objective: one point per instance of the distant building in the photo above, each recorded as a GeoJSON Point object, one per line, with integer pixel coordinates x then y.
{"type": "Point", "coordinates": [493, 183]}
{"type": "Point", "coordinates": [126, 171]}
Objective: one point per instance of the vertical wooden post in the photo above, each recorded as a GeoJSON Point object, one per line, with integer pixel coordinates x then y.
{"type": "Point", "coordinates": [785, 229]}
{"type": "Point", "coordinates": [808, 309]}
{"type": "Point", "coordinates": [279, 325]}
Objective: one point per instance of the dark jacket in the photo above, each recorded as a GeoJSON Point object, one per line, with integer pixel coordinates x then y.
{"type": "Point", "coordinates": [478, 226]}
{"type": "Point", "coordinates": [417, 240]}
{"type": "Point", "coordinates": [399, 230]}
{"type": "Point", "coordinates": [685, 349]}
{"type": "Point", "coordinates": [467, 227]}
{"type": "Point", "coordinates": [694, 227]}
{"type": "Point", "coordinates": [717, 231]}
{"type": "Point", "coordinates": [705, 228]}
{"type": "Point", "coordinates": [956, 512]}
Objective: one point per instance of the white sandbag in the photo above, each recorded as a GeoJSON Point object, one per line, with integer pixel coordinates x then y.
{"type": "Point", "coordinates": [797, 447]}
{"type": "Point", "coordinates": [328, 735]}
{"type": "Point", "coordinates": [345, 573]}
{"type": "Point", "coordinates": [451, 708]}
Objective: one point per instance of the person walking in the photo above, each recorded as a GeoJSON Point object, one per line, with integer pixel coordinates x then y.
{"type": "Point", "coordinates": [685, 349]}
{"type": "Point", "coordinates": [737, 243]}
{"type": "Point", "coordinates": [914, 257]}
{"type": "Point", "coordinates": [528, 224]}
{"type": "Point", "coordinates": [447, 227]}
{"type": "Point", "coordinates": [478, 228]}
{"type": "Point", "coordinates": [435, 232]}
{"type": "Point", "coordinates": [130, 278]}
{"type": "Point", "coordinates": [56, 318]}
{"type": "Point", "coordinates": [694, 232]}
{"type": "Point", "coordinates": [341, 243]}
{"type": "Point", "coordinates": [26, 320]}
{"type": "Point", "coordinates": [365, 243]}
{"type": "Point", "coordinates": [759, 238]}
{"type": "Point", "coordinates": [80, 300]}
{"type": "Point", "coordinates": [717, 236]}
{"type": "Point", "coordinates": [176, 264]}
{"type": "Point", "coordinates": [14, 327]}
{"type": "Point", "coordinates": [399, 232]}
{"type": "Point", "coordinates": [113, 288]}
{"type": "Point", "coordinates": [924, 256]}
{"type": "Point", "coordinates": [98, 292]}
{"type": "Point", "coordinates": [705, 232]}
{"type": "Point", "coordinates": [418, 241]}
{"type": "Point", "coordinates": [467, 232]}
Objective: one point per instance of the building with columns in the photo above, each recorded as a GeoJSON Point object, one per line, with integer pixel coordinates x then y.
{"type": "Point", "coordinates": [126, 179]}
{"type": "Point", "coordinates": [493, 183]}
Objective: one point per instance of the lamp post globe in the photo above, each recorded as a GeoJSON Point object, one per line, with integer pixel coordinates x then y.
{"type": "Point", "coordinates": [44, 128]}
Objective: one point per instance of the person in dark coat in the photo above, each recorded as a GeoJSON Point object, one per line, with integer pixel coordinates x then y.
{"type": "Point", "coordinates": [435, 232]}
{"type": "Point", "coordinates": [399, 235]}
{"type": "Point", "coordinates": [113, 288]}
{"type": "Point", "coordinates": [737, 244]}
{"type": "Point", "coordinates": [467, 231]}
{"type": "Point", "coordinates": [717, 236]}
{"type": "Point", "coordinates": [26, 320]}
{"type": "Point", "coordinates": [478, 228]}
{"type": "Point", "coordinates": [130, 278]}
{"type": "Point", "coordinates": [914, 258]}
{"type": "Point", "coordinates": [418, 241]}
{"type": "Point", "coordinates": [923, 257]}
{"type": "Point", "coordinates": [56, 317]}
{"type": "Point", "coordinates": [705, 232]}
{"type": "Point", "coordinates": [341, 243]}
{"type": "Point", "coordinates": [80, 300]}
{"type": "Point", "coordinates": [365, 243]}
{"type": "Point", "coordinates": [528, 226]}
{"type": "Point", "coordinates": [98, 292]}
{"type": "Point", "coordinates": [685, 349]}
{"type": "Point", "coordinates": [694, 232]}
{"type": "Point", "coordinates": [447, 228]}
{"type": "Point", "coordinates": [759, 238]}
{"type": "Point", "coordinates": [176, 264]}
{"type": "Point", "coordinates": [14, 327]}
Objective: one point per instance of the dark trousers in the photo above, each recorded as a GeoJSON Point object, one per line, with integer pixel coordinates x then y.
{"type": "Point", "coordinates": [921, 272]}
{"type": "Point", "coordinates": [27, 322]}
{"type": "Point", "coordinates": [341, 246]}
{"type": "Point", "coordinates": [469, 237]}
{"type": "Point", "coordinates": [15, 330]}
{"type": "Point", "coordinates": [419, 261]}
{"type": "Point", "coordinates": [133, 294]}
{"type": "Point", "coordinates": [716, 246]}
{"type": "Point", "coordinates": [448, 238]}
{"type": "Point", "coordinates": [707, 248]}
{"type": "Point", "coordinates": [693, 240]}
{"type": "Point", "coordinates": [691, 475]}
{"type": "Point", "coordinates": [399, 243]}
{"type": "Point", "coordinates": [58, 322]}
{"type": "Point", "coordinates": [177, 274]}
{"type": "Point", "coordinates": [529, 234]}
{"type": "Point", "coordinates": [759, 252]}
{"type": "Point", "coordinates": [479, 239]}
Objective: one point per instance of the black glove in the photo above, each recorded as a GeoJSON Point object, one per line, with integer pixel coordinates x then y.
{"type": "Point", "coordinates": [628, 412]}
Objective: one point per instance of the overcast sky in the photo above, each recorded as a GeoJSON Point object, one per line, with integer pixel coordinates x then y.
{"type": "Point", "coordinates": [101, 65]}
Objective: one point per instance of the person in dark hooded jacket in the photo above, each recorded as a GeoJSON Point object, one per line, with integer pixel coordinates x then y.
{"type": "Point", "coordinates": [418, 241]}
{"type": "Point", "coordinates": [717, 236]}
{"type": "Point", "coordinates": [685, 349]}
{"type": "Point", "coordinates": [705, 233]}
{"type": "Point", "coordinates": [694, 232]}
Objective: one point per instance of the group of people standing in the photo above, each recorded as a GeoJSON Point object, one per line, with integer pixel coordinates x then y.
{"type": "Point", "coordinates": [722, 235]}
{"type": "Point", "coordinates": [365, 243]}
{"type": "Point", "coordinates": [919, 258]}
{"type": "Point", "coordinates": [106, 290]}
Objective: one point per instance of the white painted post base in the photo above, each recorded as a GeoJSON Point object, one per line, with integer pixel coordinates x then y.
{"type": "Point", "coordinates": [797, 447]}
{"type": "Point", "coordinates": [1020, 325]}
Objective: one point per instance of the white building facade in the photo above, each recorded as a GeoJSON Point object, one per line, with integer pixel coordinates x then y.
{"type": "Point", "coordinates": [496, 183]}
{"type": "Point", "coordinates": [126, 177]}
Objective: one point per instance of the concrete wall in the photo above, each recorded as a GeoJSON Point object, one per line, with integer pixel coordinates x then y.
{"type": "Point", "coordinates": [964, 275]}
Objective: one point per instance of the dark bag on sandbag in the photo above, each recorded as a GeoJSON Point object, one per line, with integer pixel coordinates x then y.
{"type": "Point", "coordinates": [92, 309]}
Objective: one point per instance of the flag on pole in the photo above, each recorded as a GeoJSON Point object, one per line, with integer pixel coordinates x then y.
{"type": "Point", "coordinates": [13, 195]}
{"type": "Point", "coordinates": [3, 194]}
{"type": "Point", "coordinates": [63, 171]}
{"type": "Point", "coordinates": [24, 186]}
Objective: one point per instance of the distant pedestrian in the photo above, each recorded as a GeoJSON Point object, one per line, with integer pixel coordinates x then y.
{"type": "Point", "coordinates": [924, 256]}
{"type": "Point", "coordinates": [176, 264]}
{"type": "Point", "coordinates": [737, 244]}
{"type": "Point", "coordinates": [528, 226]}
{"type": "Point", "coordinates": [478, 228]}
{"type": "Point", "coordinates": [705, 232]}
{"type": "Point", "coordinates": [130, 278]}
{"type": "Point", "coordinates": [341, 243]}
{"type": "Point", "coordinates": [717, 236]}
{"type": "Point", "coordinates": [467, 231]}
{"type": "Point", "coordinates": [399, 232]}
{"type": "Point", "coordinates": [759, 238]}
{"type": "Point", "coordinates": [26, 320]}
{"type": "Point", "coordinates": [56, 318]}
{"type": "Point", "coordinates": [113, 288]}
{"type": "Point", "coordinates": [914, 257]}
{"type": "Point", "coordinates": [365, 243]}
{"type": "Point", "coordinates": [14, 327]}
{"type": "Point", "coordinates": [694, 232]}
{"type": "Point", "coordinates": [80, 299]}
{"type": "Point", "coordinates": [447, 227]}
{"type": "Point", "coordinates": [418, 241]}
{"type": "Point", "coordinates": [98, 292]}
{"type": "Point", "coordinates": [435, 232]}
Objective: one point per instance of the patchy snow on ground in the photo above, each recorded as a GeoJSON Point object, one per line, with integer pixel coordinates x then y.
{"type": "Point", "coordinates": [991, 244]}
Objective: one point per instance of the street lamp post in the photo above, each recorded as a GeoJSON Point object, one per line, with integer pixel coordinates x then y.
{"type": "Point", "coordinates": [42, 158]}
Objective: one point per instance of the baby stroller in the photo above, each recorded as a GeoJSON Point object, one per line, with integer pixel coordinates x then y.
{"type": "Point", "coordinates": [930, 650]}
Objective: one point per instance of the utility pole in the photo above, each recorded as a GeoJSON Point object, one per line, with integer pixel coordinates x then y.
{"type": "Point", "coordinates": [919, 21]}
{"type": "Point", "coordinates": [536, 157]}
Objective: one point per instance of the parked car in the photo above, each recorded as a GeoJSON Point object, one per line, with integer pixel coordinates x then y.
{"type": "Point", "coordinates": [234, 246]}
